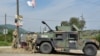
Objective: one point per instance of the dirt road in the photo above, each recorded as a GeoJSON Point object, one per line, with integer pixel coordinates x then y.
{"type": "Point", "coordinates": [5, 51]}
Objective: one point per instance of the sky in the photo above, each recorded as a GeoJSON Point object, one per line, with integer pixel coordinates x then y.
{"type": "Point", "coordinates": [51, 11]}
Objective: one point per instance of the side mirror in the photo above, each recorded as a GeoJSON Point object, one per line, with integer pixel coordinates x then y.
{"type": "Point", "coordinates": [43, 22]}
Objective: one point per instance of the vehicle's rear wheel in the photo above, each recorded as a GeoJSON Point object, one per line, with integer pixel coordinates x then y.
{"type": "Point", "coordinates": [45, 48]}
{"type": "Point", "coordinates": [90, 50]}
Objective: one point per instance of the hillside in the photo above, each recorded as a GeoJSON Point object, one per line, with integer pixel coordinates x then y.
{"type": "Point", "coordinates": [11, 27]}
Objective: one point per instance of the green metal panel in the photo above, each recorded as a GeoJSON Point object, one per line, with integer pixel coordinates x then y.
{"type": "Point", "coordinates": [64, 28]}
{"type": "Point", "coordinates": [62, 44]}
{"type": "Point", "coordinates": [48, 35]}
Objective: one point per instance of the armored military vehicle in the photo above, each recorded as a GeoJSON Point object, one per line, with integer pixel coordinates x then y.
{"type": "Point", "coordinates": [64, 40]}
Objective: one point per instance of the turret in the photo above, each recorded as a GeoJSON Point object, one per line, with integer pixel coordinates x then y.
{"type": "Point", "coordinates": [67, 28]}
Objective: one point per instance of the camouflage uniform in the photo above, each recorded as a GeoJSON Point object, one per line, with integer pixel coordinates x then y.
{"type": "Point", "coordinates": [14, 42]}
{"type": "Point", "coordinates": [29, 42]}
{"type": "Point", "coordinates": [33, 42]}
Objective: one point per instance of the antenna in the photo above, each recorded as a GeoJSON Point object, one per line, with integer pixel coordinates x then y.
{"type": "Point", "coordinates": [82, 17]}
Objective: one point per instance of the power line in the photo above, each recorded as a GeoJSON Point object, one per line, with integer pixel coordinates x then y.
{"type": "Point", "coordinates": [56, 20]}
{"type": "Point", "coordinates": [95, 3]}
{"type": "Point", "coordinates": [7, 16]}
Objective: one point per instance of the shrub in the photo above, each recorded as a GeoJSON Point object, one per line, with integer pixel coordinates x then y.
{"type": "Point", "coordinates": [98, 38]}
{"type": "Point", "coordinates": [3, 43]}
{"type": "Point", "coordinates": [8, 37]}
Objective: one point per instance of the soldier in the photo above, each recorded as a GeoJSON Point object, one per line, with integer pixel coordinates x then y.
{"type": "Point", "coordinates": [14, 42]}
{"type": "Point", "coordinates": [33, 41]}
{"type": "Point", "coordinates": [29, 41]}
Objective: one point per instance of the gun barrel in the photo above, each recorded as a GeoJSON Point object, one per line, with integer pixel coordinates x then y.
{"type": "Point", "coordinates": [47, 25]}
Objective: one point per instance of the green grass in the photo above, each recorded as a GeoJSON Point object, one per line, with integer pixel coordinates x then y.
{"type": "Point", "coordinates": [3, 43]}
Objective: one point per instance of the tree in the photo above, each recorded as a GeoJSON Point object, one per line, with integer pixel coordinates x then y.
{"type": "Point", "coordinates": [64, 23]}
{"type": "Point", "coordinates": [74, 20]}
{"type": "Point", "coordinates": [79, 23]}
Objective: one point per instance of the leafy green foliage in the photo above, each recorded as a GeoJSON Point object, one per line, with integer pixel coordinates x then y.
{"type": "Point", "coordinates": [64, 23]}
{"type": "Point", "coordinates": [74, 20]}
{"type": "Point", "coordinates": [3, 43]}
{"type": "Point", "coordinates": [8, 39]}
{"type": "Point", "coordinates": [8, 36]}
{"type": "Point", "coordinates": [98, 37]}
{"type": "Point", "coordinates": [81, 24]}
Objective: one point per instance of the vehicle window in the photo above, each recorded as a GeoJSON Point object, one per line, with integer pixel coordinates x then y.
{"type": "Point", "coordinates": [59, 35]}
{"type": "Point", "coordinates": [73, 36]}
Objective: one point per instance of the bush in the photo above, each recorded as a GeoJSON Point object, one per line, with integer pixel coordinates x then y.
{"type": "Point", "coordinates": [8, 36]}
{"type": "Point", "coordinates": [3, 43]}
{"type": "Point", "coordinates": [2, 37]}
{"type": "Point", "coordinates": [98, 38]}
{"type": "Point", "coordinates": [8, 39]}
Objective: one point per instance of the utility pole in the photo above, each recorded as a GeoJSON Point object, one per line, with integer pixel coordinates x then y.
{"type": "Point", "coordinates": [5, 27]}
{"type": "Point", "coordinates": [17, 26]}
{"type": "Point", "coordinates": [82, 17]}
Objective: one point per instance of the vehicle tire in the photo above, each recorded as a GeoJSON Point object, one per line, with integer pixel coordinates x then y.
{"type": "Point", "coordinates": [45, 48]}
{"type": "Point", "coordinates": [90, 50]}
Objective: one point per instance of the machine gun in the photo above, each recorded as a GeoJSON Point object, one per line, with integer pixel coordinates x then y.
{"type": "Point", "coordinates": [50, 30]}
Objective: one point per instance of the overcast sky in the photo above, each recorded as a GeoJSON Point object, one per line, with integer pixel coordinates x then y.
{"type": "Point", "coordinates": [52, 11]}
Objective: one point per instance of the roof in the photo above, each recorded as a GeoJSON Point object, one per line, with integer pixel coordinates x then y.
{"type": "Point", "coordinates": [67, 28]}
